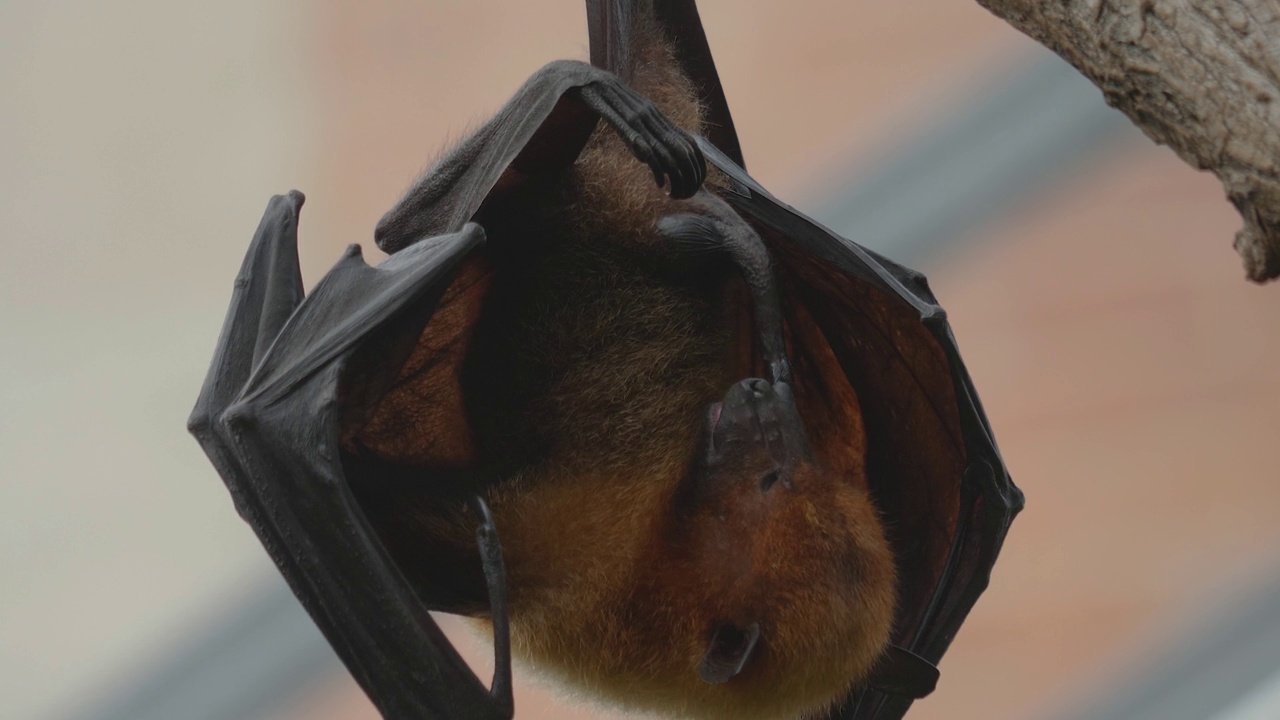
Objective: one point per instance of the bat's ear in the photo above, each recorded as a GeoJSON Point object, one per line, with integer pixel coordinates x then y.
{"type": "Point", "coordinates": [612, 26]}
{"type": "Point", "coordinates": [903, 673]}
{"type": "Point", "coordinates": [730, 649]}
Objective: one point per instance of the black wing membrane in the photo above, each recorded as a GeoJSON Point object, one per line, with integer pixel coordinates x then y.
{"type": "Point", "coordinates": [544, 126]}
{"type": "Point", "coordinates": [268, 417]}
{"type": "Point", "coordinates": [291, 374]}
{"type": "Point", "coordinates": [933, 465]}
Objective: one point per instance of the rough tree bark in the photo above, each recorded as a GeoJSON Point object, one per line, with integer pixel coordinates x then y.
{"type": "Point", "coordinates": [1201, 76]}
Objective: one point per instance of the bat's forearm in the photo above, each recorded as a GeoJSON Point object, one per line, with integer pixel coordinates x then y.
{"type": "Point", "coordinates": [714, 225]}
{"type": "Point", "coordinates": [541, 130]}
{"type": "Point", "coordinates": [430, 207]}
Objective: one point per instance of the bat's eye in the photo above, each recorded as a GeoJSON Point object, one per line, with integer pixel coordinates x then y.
{"type": "Point", "coordinates": [770, 479]}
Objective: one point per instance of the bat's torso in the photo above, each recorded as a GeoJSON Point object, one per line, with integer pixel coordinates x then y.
{"type": "Point", "coordinates": [590, 352]}
{"type": "Point", "coordinates": [568, 375]}
{"type": "Point", "coordinates": [589, 373]}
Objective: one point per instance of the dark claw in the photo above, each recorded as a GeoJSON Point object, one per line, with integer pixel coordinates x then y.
{"type": "Point", "coordinates": [687, 161]}
{"type": "Point", "coordinates": [674, 172]}
{"type": "Point", "coordinates": [495, 574]}
{"type": "Point", "coordinates": [692, 163]}
{"type": "Point", "coordinates": [657, 172]}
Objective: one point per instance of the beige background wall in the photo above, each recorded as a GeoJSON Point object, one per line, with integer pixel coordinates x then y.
{"type": "Point", "coordinates": [138, 143]}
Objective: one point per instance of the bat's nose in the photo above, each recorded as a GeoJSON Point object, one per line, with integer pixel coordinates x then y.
{"type": "Point", "coordinates": [757, 387]}
{"type": "Point", "coordinates": [748, 392]}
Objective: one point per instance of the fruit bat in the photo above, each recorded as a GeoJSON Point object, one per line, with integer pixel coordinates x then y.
{"type": "Point", "coordinates": [684, 448]}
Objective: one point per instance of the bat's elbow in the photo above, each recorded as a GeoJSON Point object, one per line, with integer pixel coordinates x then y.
{"type": "Point", "coordinates": [199, 423]}
{"type": "Point", "coordinates": [383, 234]}
{"type": "Point", "coordinates": [204, 420]}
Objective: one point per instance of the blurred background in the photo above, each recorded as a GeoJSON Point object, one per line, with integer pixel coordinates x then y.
{"type": "Point", "coordinates": [1126, 366]}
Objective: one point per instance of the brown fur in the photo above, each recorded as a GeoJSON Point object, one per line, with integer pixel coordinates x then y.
{"type": "Point", "coordinates": [587, 376]}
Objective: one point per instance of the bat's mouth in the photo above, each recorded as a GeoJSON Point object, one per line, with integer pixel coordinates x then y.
{"type": "Point", "coordinates": [739, 414]}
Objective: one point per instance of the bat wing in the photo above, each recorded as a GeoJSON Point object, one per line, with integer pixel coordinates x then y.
{"type": "Point", "coordinates": [268, 416]}
{"type": "Point", "coordinates": [541, 129]}
{"type": "Point", "coordinates": [306, 394]}
{"type": "Point", "coordinates": [858, 321]}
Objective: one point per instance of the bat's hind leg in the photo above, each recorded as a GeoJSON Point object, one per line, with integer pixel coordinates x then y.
{"type": "Point", "coordinates": [713, 226]}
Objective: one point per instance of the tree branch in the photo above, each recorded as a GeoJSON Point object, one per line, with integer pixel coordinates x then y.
{"type": "Point", "coordinates": [1201, 76]}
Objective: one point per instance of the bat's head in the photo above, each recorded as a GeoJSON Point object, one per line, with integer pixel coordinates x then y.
{"type": "Point", "coordinates": [778, 566]}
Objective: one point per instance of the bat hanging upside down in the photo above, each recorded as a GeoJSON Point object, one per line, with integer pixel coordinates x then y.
{"type": "Point", "coordinates": [672, 541]}
{"type": "Point", "coordinates": [624, 386]}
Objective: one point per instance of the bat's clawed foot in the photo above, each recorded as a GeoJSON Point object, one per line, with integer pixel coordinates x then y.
{"type": "Point", "coordinates": [669, 151]}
